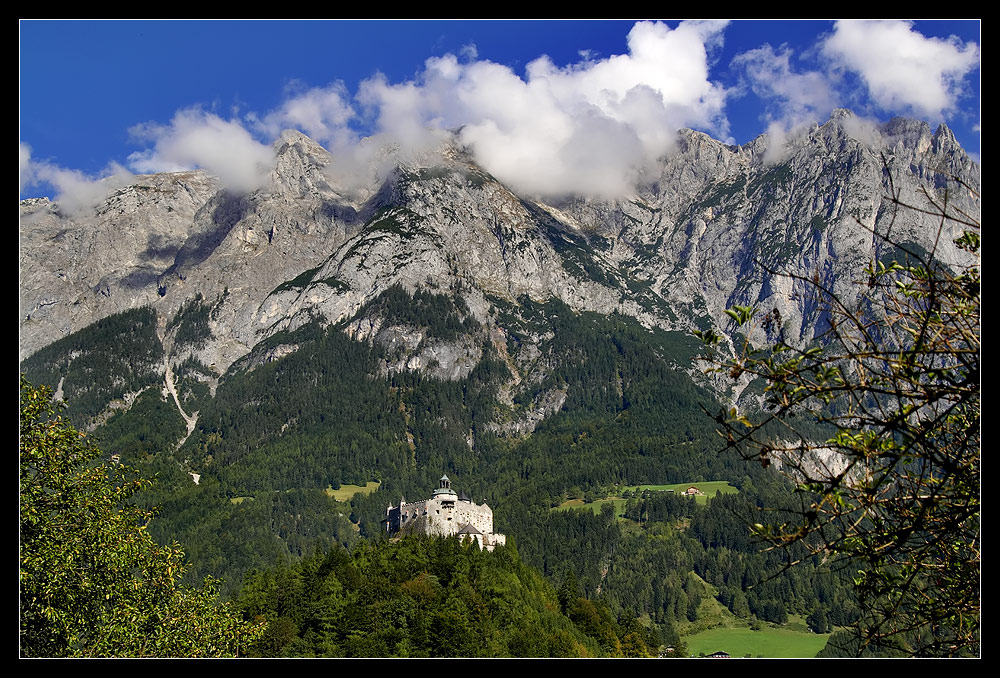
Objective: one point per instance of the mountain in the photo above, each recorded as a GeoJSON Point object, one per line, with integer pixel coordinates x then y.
{"type": "Point", "coordinates": [681, 249]}
{"type": "Point", "coordinates": [255, 348]}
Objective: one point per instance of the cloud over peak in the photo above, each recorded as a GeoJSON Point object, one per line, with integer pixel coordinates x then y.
{"type": "Point", "coordinates": [323, 113]}
{"type": "Point", "coordinates": [795, 98]}
{"type": "Point", "coordinates": [75, 191]}
{"type": "Point", "coordinates": [197, 139]}
{"type": "Point", "coordinates": [588, 127]}
{"type": "Point", "coordinates": [593, 126]}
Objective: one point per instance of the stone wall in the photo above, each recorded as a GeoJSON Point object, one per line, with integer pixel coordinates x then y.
{"type": "Point", "coordinates": [443, 516]}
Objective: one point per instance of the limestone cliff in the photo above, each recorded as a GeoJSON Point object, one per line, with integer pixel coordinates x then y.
{"type": "Point", "coordinates": [717, 225]}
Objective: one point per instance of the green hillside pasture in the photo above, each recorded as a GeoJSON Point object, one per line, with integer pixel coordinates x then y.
{"type": "Point", "coordinates": [594, 506]}
{"type": "Point", "coordinates": [710, 488]}
{"type": "Point", "coordinates": [768, 642]}
{"type": "Point", "coordinates": [346, 492]}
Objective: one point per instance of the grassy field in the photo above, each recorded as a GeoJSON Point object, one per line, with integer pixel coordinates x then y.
{"type": "Point", "coordinates": [347, 491]}
{"type": "Point", "coordinates": [710, 488]}
{"type": "Point", "coordinates": [594, 506]}
{"type": "Point", "coordinates": [768, 642]}
{"type": "Point", "coordinates": [716, 628]}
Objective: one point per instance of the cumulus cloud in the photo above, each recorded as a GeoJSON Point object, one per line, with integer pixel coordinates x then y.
{"type": "Point", "coordinates": [904, 72]}
{"type": "Point", "coordinates": [589, 127]}
{"type": "Point", "coordinates": [323, 113]}
{"type": "Point", "coordinates": [592, 127]}
{"type": "Point", "coordinates": [24, 174]}
{"type": "Point", "coordinates": [76, 192]}
{"type": "Point", "coordinates": [794, 98]}
{"type": "Point", "coordinates": [197, 139]}
{"type": "Point", "coordinates": [903, 69]}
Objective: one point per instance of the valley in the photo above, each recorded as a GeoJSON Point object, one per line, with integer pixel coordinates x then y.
{"type": "Point", "coordinates": [288, 362]}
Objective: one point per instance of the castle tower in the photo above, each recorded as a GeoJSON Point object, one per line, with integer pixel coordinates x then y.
{"type": "Point", "coordinates": [445, 514]}
{"type": "Point", "coordinates": [445, 494]}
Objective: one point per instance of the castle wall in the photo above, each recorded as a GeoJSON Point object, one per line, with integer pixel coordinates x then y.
{"type": "Point", "coordinates": [443, 516]}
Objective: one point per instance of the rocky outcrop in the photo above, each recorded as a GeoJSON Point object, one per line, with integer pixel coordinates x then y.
{"type": "Point", "coordinates": [717, 225]}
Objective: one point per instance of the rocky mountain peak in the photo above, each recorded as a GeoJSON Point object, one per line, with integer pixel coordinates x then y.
{"type": "Point", "coordinates": [944, 140]}
{"type": "Point", "coordinates": [298, 166]}
{"type": "Point", "coordinates": [686, 245]}
{"type": "Point", "coordinates": [912, 134]}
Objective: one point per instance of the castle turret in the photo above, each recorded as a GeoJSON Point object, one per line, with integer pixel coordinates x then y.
{"type": "Point", "coordinates": [445, 494]}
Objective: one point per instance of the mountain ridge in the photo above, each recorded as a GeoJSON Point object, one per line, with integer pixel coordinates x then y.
{"type": "Point", "coordinates": [674, 255]}
{"type": "Point", "coordinates": [253, 350]}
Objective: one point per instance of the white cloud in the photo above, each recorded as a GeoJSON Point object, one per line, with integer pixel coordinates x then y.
{"type": "Point", "coordinates": [323, 113]}
{"type": "Point", "coordinates": [24, 173]}
{"type": "Point", "coordinates": [469, 52]}
{"type": "Point", "coordinates": [196, 139]}
{"type": "Point", "coordinates": [407, 113]}
{"type": "Point", "coordinates": [592, 127]}
{"type": "Point", "coordinates": [589, 127]}
{"type": "Point", "coordinates": [794, 98]}
{"type": "Point", "coordinates": [903, 69]}
{"type": "Point", "coordinates": [865, 130]}
{"type": "Point", "coordinates": [76, 192]}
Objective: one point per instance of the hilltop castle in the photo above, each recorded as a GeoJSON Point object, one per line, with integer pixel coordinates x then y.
{"type": "Point", "coordinates": [443, 515]}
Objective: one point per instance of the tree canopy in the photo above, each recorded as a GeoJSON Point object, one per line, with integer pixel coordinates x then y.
{"type": "Point", "coordinates": [92, 581]}
{"type": "Point", "coordinates": [894, 492]}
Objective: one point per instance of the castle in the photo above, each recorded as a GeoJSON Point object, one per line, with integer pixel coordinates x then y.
{"type": "Point", "coordinates": [443, 515]}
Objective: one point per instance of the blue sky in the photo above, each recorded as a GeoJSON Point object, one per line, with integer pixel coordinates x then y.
{"type": "Point", "coordinates": [587, 101]}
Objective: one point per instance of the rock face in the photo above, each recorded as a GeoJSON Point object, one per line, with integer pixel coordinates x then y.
{"type": "Point", "coordinates": [719, 225]}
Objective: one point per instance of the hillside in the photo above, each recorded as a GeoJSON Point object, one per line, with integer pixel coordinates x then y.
{"type": "Point", "coordinates": [256, 349]}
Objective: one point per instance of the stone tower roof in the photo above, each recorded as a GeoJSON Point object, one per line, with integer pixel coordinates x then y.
{"type": "Point", "coordinates": [445, 489]}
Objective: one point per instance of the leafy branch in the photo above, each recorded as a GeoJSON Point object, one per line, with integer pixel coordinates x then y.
{"type": "Point", "coordinates": [894, 492]}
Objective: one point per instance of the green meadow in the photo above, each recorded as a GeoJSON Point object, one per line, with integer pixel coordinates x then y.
{"type": "Point", "coordinates": [710, 488]}
{"type": "Point", "coordinates": [594, 506]}
{"type": "Point", "coordinates": [769, 642]}
{"type": "Point", "coordinates": [346, 492]}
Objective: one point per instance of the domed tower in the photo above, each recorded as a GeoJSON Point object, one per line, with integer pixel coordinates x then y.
{"type": "Point", "coordinates": [445, 494]}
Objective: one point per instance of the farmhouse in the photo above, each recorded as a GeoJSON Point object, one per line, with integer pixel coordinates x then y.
{"type": "Point", "coordinates": [443, 515]}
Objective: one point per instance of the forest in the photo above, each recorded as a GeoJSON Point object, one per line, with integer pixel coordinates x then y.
{"type": "Point", "coordinates": [278, 435]}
